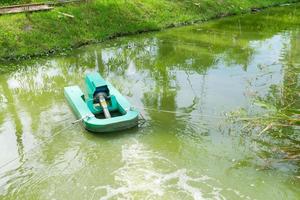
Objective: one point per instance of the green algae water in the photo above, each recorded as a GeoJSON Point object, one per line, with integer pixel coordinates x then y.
{"type": "Point", "coordinates": [190, 84]}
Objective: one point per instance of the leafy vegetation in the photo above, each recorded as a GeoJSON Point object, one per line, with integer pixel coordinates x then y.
{"type": "Point", "coordinates": [71, 26]}
{"type": "Point", "coordinates": [276, 128]}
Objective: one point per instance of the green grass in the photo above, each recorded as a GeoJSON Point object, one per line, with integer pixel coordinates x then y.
{"type": "Point", "coordinates": [42, 33]}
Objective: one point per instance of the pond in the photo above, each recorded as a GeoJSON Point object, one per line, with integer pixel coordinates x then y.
{"type": "Point", "coordinates": [192, 85]}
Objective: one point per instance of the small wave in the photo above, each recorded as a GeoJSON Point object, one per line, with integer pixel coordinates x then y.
{"type": "Point", "coordinates": [148, 175]}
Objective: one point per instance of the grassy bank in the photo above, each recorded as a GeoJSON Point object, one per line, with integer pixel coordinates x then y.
{"type": "Point", "coordinates": [43, 33]}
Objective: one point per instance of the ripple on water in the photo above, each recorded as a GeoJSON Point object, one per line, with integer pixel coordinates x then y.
{"type": "Point", "coordinates": [147, 174]}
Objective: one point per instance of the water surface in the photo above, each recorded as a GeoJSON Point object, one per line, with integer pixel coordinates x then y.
{"type": "Point", "coordinates": [199, 74]}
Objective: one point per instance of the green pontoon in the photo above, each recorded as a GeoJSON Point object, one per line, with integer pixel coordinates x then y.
{"type": "Point", "coordinates": [104, 109]}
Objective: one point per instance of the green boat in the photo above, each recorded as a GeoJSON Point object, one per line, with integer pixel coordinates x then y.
{"type": "Point", "coordinates": [104, 109]}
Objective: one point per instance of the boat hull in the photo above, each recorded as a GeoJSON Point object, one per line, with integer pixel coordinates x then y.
{"type": "Point", "coordinates": [111, 127]}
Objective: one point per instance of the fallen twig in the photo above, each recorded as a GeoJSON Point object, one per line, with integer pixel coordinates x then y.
{"type": "Point", "coordinates": [265, 129]}
{"type": "Point", "coordinates": [66, 14]}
